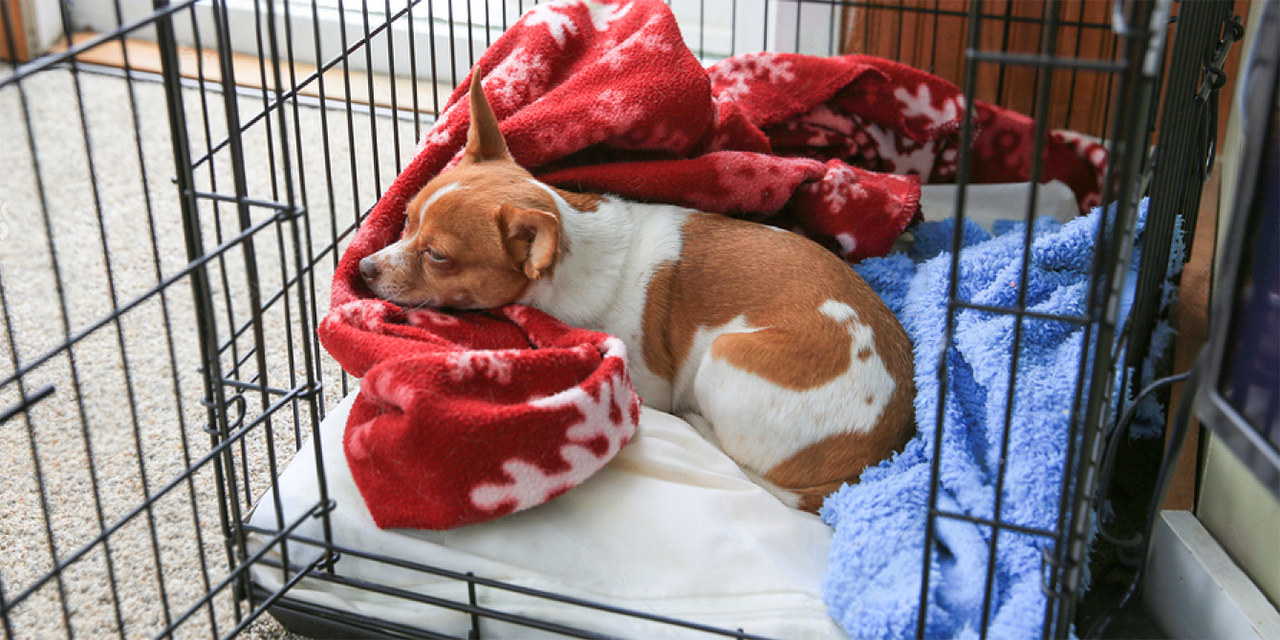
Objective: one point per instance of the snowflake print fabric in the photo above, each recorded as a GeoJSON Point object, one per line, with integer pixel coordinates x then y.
{"type": "Point", "coordinates": [464, 418]}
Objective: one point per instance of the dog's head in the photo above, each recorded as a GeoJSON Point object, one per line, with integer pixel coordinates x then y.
{"type": "Point", "coordinates": [477, 235]}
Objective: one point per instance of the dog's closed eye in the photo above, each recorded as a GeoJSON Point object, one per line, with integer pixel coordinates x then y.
{"type": "Point", "coordinates": [435, 255]}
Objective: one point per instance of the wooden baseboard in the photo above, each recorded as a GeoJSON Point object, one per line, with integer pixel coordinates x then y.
{"type": "Point", "coordinates": [145, 56]}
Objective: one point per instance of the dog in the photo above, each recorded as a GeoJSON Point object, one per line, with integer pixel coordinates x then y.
{"type": "Point", "coordinates": [767, 343]}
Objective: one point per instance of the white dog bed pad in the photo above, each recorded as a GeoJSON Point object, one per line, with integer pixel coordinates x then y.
{"type": "Point", "coordinates": [670, 527]}
{"type": "Point", "coordinates": [987, 203]}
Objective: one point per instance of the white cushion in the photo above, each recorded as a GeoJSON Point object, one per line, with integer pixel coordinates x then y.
{"type": "Point", "coordinates": [987, 203]}
{"type": "Point", "coordinates": [670, 527]}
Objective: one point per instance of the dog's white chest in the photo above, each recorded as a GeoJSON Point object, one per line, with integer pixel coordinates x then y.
{"type": "Point", "coordinates": [603, 280]}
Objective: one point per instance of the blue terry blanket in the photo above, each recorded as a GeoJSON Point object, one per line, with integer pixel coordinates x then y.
{"type": "Point", "coordinates": [873, 580]}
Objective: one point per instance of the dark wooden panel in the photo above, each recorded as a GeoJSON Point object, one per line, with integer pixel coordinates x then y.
{"type": "Point", "coordinates": [15, 26]}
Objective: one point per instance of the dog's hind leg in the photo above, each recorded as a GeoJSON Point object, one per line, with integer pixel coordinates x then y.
{"type": "Point", "coordinates": [801, 430]}
{"type": "Point", "coordinates": [707, 430]}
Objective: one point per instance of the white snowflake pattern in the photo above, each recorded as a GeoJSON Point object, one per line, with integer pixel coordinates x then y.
{"type": "Point", "coordinates": [847, 243]}
{"type": "Point", "coordinates": [384, 385]}
{"type": "Point", "coordinates": [519, 314]}
{"type": "Point", "coordinates": [620, 109]}
{"type": "Point", "coordinates": [1088, 147]}
{"type": "Point", "coordinates": [554, 143]}
{"type": "Point", "coordinates": [603, 15]}
{"type": "Point", "coordinates": [439, 133]}
{"type": "Point", "coordinates": [840, 184]}
{"type": "Point", "coordinates": [722, 141]}
{"type": "Point", "coordinates": [614, 348]}
{"type": "Point", "coordinates": [359, 440]}
{"type": "Point", "coordinates": [429, 318]}
{"type": "Point", "coordinates": [919, 161]}
{"type": "Point", "coordinates": [494, 364]}
{"type": "Point", "coordinates": [828, 118]}
{"type": "Point", "coordinates": [1077, 140]}
{"type": "Point", "coordinates": [1098, 157]}
{"type": "Point", "coordinates": [660, 134]}
{"type": "Point", "coordinates": [1093, 152]}
{"type": "Point", "coordinates": [363, 314]}
{"type": "Point", "coordinates": [530, 485]}
{"type": "Point", "coordinates": [614, 111]}
{"type": "Point", "coordinates": [948, 165]}
{"type": "Point", "coordinates": [740, 70]}
{"type": "Point", "coordinates": [557, 22]}
{"type": "Point", "coordinates": [921, 104]}
{"type": "Point", "coordinates": [521, 78]}
{"type": "Point", "coordinates": [644, 41]}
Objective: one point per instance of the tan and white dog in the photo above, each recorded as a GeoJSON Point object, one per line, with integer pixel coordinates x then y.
{"type": "Point", "coordinates": [767, 343]}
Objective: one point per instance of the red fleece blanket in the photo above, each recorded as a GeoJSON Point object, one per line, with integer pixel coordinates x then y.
{"type": "Point", "coordinates": [605, 97]}
{"type": "Point", "coordinates": [461, 419]}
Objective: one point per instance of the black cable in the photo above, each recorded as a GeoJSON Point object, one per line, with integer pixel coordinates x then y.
{"type": "Point", "coordinates": [1177, 437]}
{"type": "Point", "coordinates": [1113, 443]}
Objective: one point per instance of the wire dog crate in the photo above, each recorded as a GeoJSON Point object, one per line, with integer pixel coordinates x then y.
{"type": "Point", "coordinates": [174, 209]}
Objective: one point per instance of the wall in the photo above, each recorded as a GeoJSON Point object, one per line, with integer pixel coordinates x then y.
{"type": "Point", "coordinates": [1243, 517]}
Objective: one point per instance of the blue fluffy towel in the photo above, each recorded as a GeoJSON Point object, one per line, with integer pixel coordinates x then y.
{"type": "Point", "coordinates": [872, 585]}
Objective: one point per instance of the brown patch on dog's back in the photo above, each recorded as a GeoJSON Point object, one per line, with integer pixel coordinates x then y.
{"type": "Point", "coordinates": [656, 346]}
{"type": "Point", "coordinates": [821, 468]}
{"type": "Point", "coordinates": [581, 201]}
{"type": "Point", "coordinates": [779, 282]}
{"type": "Point", "coordinates": [840, 459]}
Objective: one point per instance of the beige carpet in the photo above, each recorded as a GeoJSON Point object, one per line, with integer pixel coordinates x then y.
{"type": "Point", "coordinates": [120, 401]}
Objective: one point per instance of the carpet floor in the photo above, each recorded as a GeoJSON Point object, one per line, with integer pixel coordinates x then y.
{"type": "Point", "coordinates": [111, 509]}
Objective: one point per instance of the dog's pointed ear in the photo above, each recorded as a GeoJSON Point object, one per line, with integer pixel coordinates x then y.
{"type": "Point", "coordinates": [484, 139]}
{"type": "Point", "coordinates": [531, 237]}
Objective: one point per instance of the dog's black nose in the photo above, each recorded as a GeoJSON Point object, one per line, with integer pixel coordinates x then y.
{"type": "Point", "coordinates": [369, 269]}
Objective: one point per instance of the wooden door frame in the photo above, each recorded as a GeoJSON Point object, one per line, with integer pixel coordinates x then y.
{"type": "Point", "coordinates": [18, 24]}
